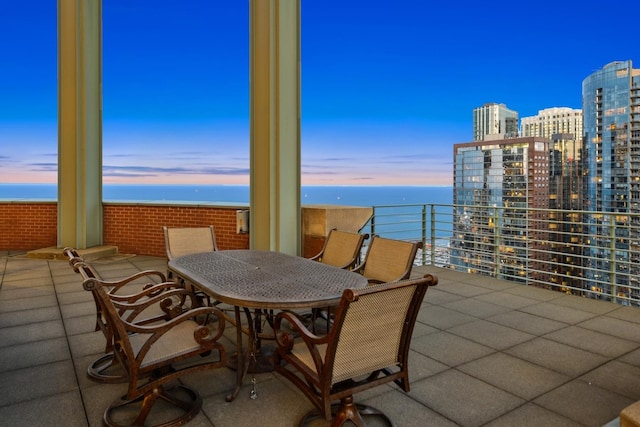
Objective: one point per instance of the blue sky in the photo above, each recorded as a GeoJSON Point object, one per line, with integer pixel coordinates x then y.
{"type": "Point", "coordinates": [387, 87]}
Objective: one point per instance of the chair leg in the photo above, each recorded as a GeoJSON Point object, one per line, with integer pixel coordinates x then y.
{"type": "Point", "coordinates": [189, 407]}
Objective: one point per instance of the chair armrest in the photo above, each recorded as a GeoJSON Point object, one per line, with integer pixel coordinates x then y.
{"type": "Point", "coordinates": [117, 284]}
{"type": "Point", "coordinates": [285, 340]}
{"type": "Point", "coordinates": [172, 302]}
{"type": "Point", "coordinates": [149, 290]}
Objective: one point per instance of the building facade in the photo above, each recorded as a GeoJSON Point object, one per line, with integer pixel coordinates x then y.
{"type": "Point", "coordinates": [563, 126]}
{"type": "Point", "coordinates": [611, 108]}
{"type": "Point", "coordinates": [501, 198]}
{"type": "Point", "coordinates": [494, 121]}
{"type": "Point", "coordinates": [551, 121]}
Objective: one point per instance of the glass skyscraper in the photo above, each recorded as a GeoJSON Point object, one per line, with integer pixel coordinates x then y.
{"type": "Point", "coordinates": [611, 155]}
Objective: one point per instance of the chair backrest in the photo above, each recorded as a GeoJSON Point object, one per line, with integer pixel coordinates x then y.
{"type": "Point", "coordinates": [389, 260]}
{"type": "Point", "coordinates": [181, 241]}
{"type": "Point", "coordinates": [342, 248]}
{"type": "Point", "coordinates": [373, 327]}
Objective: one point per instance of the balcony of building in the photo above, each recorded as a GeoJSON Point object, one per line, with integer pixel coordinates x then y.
{"type": "Point", "coordinates": [485, 352]}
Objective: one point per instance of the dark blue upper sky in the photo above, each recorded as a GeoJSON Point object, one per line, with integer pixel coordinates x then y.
{"type": "Point", "coordinates": [387, 87]}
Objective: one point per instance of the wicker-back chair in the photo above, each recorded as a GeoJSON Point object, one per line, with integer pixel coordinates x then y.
{"type": "Point", "coordinates": [368, 345]}
{"type": "Point", "coordinates": [341, 249]}
{"type": "Point", "coordinates": [150, 353]}
{"type": "Point", "coordinates": [179, 241]}
{"type": "Point", "coordinates": [388, 260]}
{"type": "Point", "coordinates": [137, 287]}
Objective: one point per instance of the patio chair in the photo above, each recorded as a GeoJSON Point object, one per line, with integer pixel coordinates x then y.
{"type": "Point", "coordinates": [131, 289]}
{"type": "Point", "coordinates": [388, 260]}
{"type": "Point", "coordinates": [367, 346]}
{"type": "Point", "coordinates": [341, 249]}
{"type": "Point", "coordinates": [181, 241]}
{"type": "Point", "coordinates": [155, 356]}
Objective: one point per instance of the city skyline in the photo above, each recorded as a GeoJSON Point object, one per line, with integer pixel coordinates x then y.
{"type": "Point", "coordinates": [387, 89]}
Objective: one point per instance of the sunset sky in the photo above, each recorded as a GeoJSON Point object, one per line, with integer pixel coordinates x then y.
{"type": "Point", "coordinates": [387, 87]}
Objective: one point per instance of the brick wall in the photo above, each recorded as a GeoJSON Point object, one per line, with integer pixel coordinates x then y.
{"type": "Point", "coordinates": [133, 228]}
{"type": "Point", "coordinates": [25, 226]}
{"type": "Point", "coordinates": [137, 229]}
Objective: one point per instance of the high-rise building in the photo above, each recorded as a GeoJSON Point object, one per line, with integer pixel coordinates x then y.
{"type": "Point", "coordinates": [611, 109]}
{"type": "Point", "coordinates": [496, 183]}
{"type": "Point", "coordinates": [563, 126]}
{"type": "Point", "coordinates": [494, 121]}
{"type": "Point", "coordinates": [551, 121]}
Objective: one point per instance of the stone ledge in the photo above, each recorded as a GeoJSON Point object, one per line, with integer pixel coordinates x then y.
{"type": "Point", "coordinates": [89, 254]}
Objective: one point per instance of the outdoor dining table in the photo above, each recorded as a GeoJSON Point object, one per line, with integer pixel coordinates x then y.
{"type": "Point", "coordinates": [262, 280]}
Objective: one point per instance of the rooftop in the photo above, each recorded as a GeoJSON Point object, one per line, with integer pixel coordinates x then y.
{"type": "Point", "coordinates": [485, 352]}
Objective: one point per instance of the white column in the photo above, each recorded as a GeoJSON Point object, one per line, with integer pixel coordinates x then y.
{"type": "Point", "coordinates": [80, 123]}
{"type": "Point", "coordinates": [275, 215]}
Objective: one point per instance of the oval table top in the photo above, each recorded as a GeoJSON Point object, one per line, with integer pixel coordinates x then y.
{"type": "Point", "coordinates": [265, 279]}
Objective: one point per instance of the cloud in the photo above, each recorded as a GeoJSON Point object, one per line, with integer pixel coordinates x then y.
{"type": "Point", "coordinates": [149, 171]}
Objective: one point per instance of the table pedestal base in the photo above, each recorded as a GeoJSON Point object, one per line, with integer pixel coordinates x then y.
{"type": "Point", "coordinates": [263, 362]}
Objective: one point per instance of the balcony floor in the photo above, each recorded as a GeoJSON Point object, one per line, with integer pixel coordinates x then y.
{"type": "Point", "coordinates": [485, 353]}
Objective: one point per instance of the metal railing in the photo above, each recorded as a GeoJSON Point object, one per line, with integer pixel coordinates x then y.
{"type": "Point", "coordinates": [594, 254]}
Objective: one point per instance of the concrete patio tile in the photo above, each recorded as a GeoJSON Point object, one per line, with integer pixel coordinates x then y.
{"type": "Point", "coordinates": [404, 410]}
{"type": "Point", "coordinates": [75, 297]}
{"type": "Point", "coordinates": [556, 356]}
{"type": "Point", "coordinates": [531, 415]}
{"type": "Point", "coordinates": [86, 344]}
{"type": "Point", "coordinates": [80, 324]}
{"type": "Point", "coordinates": [276, 406]}
{"type": "Point", "coordinates": [593, 341]}
{"type": "Point", "coordinates": [525, 322]}
{"type": "Point", "coordinates": [517, 376]}
{"type": "Point", "coordinates": [437, 297]}
{"type": "Point", "coordinates": [476, 307]}
{"type": "Point", "coordinates": [64, 409]}
{"type": "Point", "coordinates": [34, 354]}
{"type": "Point", "coordinates": [78, 309]}
{"type": "Point", "coordinates": [584, 403]}
{"type": "Point", "coordinates": [460, 288]}
{"type": "Point", "coordinates": [625, 313]}
{"type": "Point", "coordinates": [617, 377]}
{"type": "Point", "coordinates": [585, 304]}
{"type": "Point", "coordinates": [558, 312]}
{"type": "Point", "coordinates": [32, 332]}
{"type": "Point", "coordinates": [533, 293]}
{"type": "Point", "coordinates": [421, 366]}
{"type": "Point", "coordinates": [507, 299]}
{"type": "Point", "coordinates": [98, 397]}
{"type": "Point", "coordinates": [448, 394]}
{"type": "Point", "coordinates": [615, 327]}
{"type": "Point", "coordinates": [420, 329]}
{"type": "Point", "coordinates": [11, 292]}
{"type": "Point", "coordinates": [491, 334]}
{"type": "Point", "coordinates": [35, 382]}
{"type": "Point", "coordinates": [632, 358]}
{"type": "Point", "coordinates": [28, 303]}
{"type": "Point", "coordinates": [443, 318]}
{"type": "Point", "coordinates": [26, 317]}
{"type": "Point", "coordinates": [450, 349]}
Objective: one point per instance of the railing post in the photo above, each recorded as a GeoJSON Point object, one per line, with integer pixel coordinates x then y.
{"type": "Point", "coordinates": [373, 221]}
{"type": "Point", "coordinates": [612, 258]}
{"type": "Point", "coordinates": [497, 273]}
